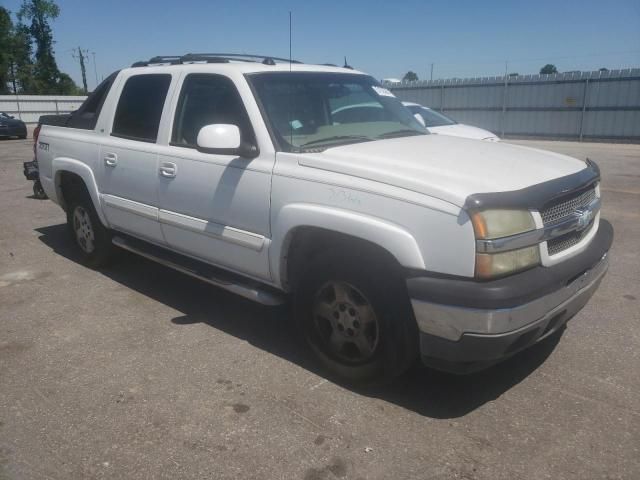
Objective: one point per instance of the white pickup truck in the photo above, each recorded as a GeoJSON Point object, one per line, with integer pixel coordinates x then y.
{"type": "Point", "coordinates": [265, 178]}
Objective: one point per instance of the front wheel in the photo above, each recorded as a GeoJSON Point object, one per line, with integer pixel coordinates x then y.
{"type": "Point", "coordinates": [92, 238]}
{"type": "Point", "coordinates": [354, 315]}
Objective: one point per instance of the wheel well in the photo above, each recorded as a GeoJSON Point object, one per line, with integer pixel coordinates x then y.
{"type": "Point", "coordinates": [70, 186]}
{"type": "Point", "coordinates": [305, 243]}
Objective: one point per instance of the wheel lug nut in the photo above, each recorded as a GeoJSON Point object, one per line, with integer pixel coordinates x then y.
{"type": "Point", "coordinates": [356, 324]}
{"type": "Point", "coordinates": [352, 312]}
{"type": "Point", "coordinates": [350, 332]}
{"type": "Point", "coordinates": [342, 307]}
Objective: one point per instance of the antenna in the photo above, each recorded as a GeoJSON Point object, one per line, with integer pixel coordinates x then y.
{"type": "Point", "coordinates": [290, 61]}
{"type": "Point", "coordinates": [290, 119]}
{"type": "Point", "coordinates": [346, 65]}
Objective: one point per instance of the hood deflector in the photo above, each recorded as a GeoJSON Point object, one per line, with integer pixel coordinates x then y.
{"type": "Point", "coordinates": [536, 197]}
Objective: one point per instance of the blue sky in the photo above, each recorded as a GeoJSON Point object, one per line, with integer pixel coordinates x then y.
{"type": "Point", "coordinates": [462, 38]}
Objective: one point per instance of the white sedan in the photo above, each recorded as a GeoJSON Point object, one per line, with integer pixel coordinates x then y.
{"type": "Point", "coordinates": [438, 123]}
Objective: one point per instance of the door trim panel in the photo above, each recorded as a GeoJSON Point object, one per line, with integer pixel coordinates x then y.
{"type": "Point", "coordinates": [250, 240]}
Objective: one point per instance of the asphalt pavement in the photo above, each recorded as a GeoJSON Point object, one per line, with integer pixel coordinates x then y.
{"type": "Point", "coordinates": [138, 372]}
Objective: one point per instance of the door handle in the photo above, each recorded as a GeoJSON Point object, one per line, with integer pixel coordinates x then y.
{"type": "Point", "coordinates": [168, 169]}
{"type": "Point", "coordinates": [111, 159]}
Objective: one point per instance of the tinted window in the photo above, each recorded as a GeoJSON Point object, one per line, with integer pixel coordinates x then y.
{"type": "Point", "coordinates": [140, 107]}
{"type": "Point", "coordinates": [205, 100]}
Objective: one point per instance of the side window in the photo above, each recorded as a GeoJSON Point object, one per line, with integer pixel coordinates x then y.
{"type": "Point", "coordinates": [140, 107]}
{"type": "Point", "coordinates": [206, 99]}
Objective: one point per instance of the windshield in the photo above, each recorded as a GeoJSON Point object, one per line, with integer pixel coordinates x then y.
{"type": "Point", "coordinates": [311, 110]}
{"type": "Point", "coordinates": [431, 118]}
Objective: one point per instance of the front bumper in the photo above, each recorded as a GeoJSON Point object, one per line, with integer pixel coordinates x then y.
{"type": "Point", "coordinates": [467, 325]}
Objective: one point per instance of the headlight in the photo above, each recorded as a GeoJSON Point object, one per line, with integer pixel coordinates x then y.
{"type": "Point", "coordinates": [491, 224]}
{"type": "Point", "coordinates": [493, 265]}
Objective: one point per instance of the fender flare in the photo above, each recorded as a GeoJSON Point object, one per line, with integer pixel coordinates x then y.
{"type": "Point", "coordinates": [393, 238]}
{"type": "Point", "coordinates": [64, 164]}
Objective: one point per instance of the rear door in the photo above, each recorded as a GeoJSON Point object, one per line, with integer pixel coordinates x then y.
{"type": "Point", "coordinates": [215, 207]}
{"type": "Point", "coordinates": [128, 169]}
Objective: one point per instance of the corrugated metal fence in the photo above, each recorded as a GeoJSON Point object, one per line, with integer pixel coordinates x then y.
{"type": "Point", "coordinates": [580, 105]}
{"type": "Point", "coordinates": [28, 108]}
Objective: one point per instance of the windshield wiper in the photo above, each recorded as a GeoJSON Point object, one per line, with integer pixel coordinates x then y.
{"type": "Point", "coordinates": [401, 133]}
{"type": "Point", "coordinates": [363, 138]}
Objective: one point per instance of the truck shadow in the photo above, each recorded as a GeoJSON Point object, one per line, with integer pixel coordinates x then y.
{"type": "Point", "coordinates": [424, 391]}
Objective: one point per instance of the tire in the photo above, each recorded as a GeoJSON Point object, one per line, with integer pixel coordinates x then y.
{"type": "Point", "coordinates": [372, 336]}
{"type": "Point", "coordinates": [38, 191]}
{"type": "Point", "coordinates": [22, 137]}
{"type": "Point", "coordinates": [91, 237]}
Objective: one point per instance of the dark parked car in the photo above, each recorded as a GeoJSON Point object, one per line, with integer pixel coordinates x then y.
{"type": "Point", "coordinates": [12, 127]}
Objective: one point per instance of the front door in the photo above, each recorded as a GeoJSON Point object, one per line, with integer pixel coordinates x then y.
{"type": "Point", "coordinates": [214, 207]}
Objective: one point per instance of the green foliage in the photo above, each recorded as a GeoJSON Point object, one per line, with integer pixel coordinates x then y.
{"type": "Point", "coordinates": [410, 77]}
{"type": "Point", "coordinates": [6, 27]}
{"type": "Point", "coordinates": [39, 13]}
{"type": "Point", "coordinates": [22, 71]}
{"type": "Point", "coordinates": [548, 69]}
{"type": "Point", "coordinates": [66, 86]}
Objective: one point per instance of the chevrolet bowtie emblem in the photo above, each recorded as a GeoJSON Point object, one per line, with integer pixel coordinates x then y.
{"type": "Point", "coordinates": [584, 218]}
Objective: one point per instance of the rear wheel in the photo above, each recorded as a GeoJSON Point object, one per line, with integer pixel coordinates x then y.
{"type": "Point", "coordinates": [354, 315]}
{"type": "Point", "coordinates": [88, 233]}
{"type": "Point", "coordinates": [38, 191]}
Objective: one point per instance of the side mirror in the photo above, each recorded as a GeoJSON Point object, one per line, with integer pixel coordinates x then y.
{"type": "Point", "coordinates": [420, 120]}
{"type": "Point", "coordinates": [224, 139]}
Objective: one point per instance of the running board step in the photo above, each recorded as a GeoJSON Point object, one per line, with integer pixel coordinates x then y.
{"type": "Point", "coordinates": [231, 282]}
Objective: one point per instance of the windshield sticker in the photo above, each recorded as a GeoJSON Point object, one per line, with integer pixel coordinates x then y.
{"type": "Point", "coordinates": [383, 92]}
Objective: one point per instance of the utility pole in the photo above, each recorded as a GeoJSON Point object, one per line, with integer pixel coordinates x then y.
{"type": "Point", "coordinates": [95, 67]}
{"type": "Point", "coordinates": [82, 56]}
{"type": "Point", "coordinates": [13, 77]}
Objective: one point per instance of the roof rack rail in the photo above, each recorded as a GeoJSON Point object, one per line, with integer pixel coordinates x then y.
{"type": "Point", "coordinates": [211, 58]}
{"type": "Point", "coordinates": [159, 59]}
{"type": "Point", "coordinates": [246, 57]}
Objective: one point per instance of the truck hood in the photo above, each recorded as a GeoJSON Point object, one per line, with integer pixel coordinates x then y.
{"type": "Point", "coordinates": [444, 167]}
{"type": "Point", "coordinates": [462, 130]}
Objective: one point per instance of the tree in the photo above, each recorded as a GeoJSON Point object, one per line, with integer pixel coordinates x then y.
{"type": "Point", "coordinates": [6, 27]}
{"type": "Point", "coordinates": [603, 69]}
{"type": "Point", "coordinates": [39, 13]}
{"type": "Point", "coordinates": [548, 69]}
{"type": "Point", "coordinates": [410, 77]}
{"type": "Point", "coordinates": [19, 73]}
{"type": "Point", "coordinates": [22, 67]}
{"type": "Point", "coordinates": [66, 86]}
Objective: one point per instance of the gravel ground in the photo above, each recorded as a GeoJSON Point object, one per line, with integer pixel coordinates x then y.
{"type": "Point", "coordinates": [139, 372]}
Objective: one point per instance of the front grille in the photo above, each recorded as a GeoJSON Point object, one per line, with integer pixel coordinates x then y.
{"type": "Point", "coordinates": [565, 206]}
{"type": "Point", "coordinates": [568, 240]}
